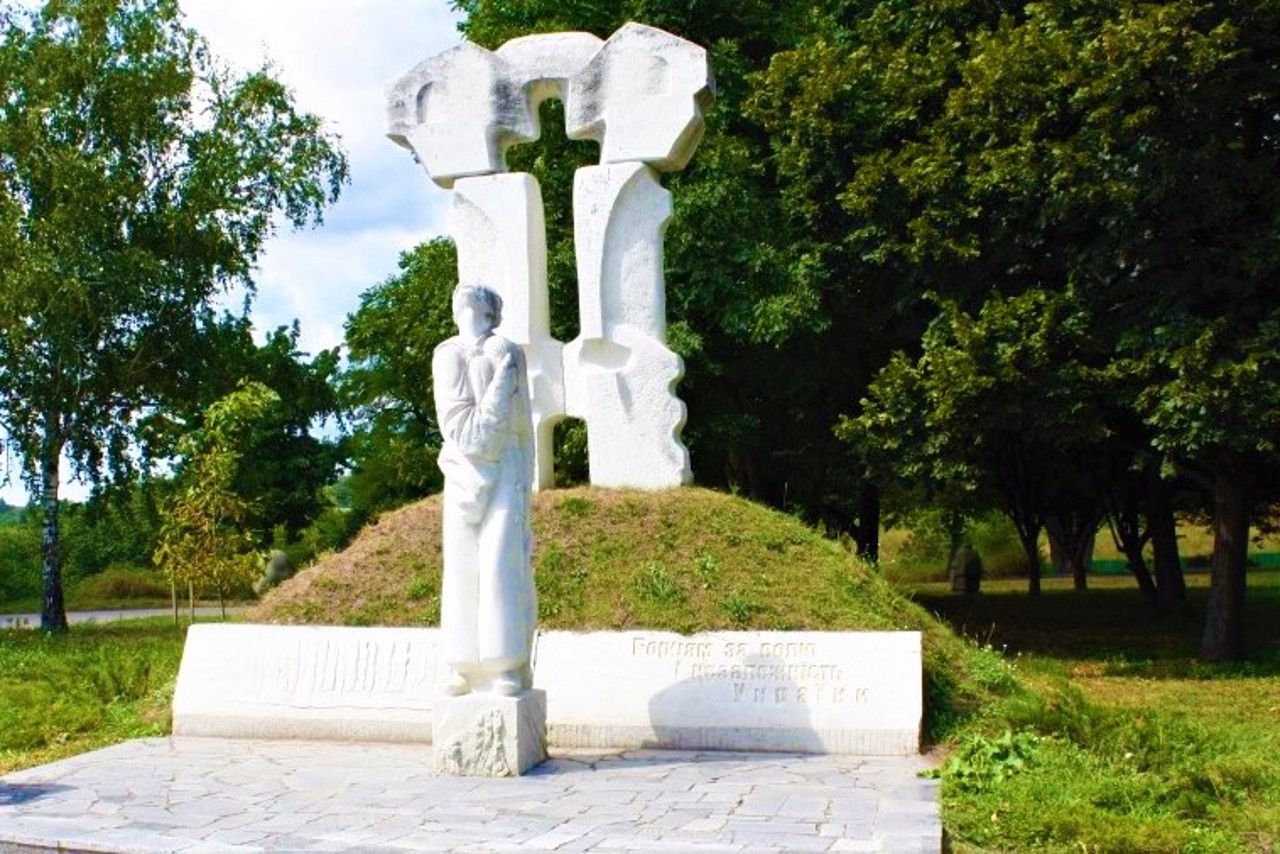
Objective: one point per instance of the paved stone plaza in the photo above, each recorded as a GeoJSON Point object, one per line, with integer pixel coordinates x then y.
{"type": "Point", "coordinates": [195, 794]}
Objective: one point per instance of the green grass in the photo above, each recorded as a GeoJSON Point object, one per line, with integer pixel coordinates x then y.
{"type": "Point", "coordinates": [1067, 723]}
{"type": "Point", "coordinates": [1125, 743]}
{"type": "Point", "coordinates": [682, 560]}
{"type": "Point", "coordinates": [65, 694]}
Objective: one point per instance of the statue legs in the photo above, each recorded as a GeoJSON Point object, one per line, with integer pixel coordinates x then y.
{"type": "Point", "coordinates": [488, 605]}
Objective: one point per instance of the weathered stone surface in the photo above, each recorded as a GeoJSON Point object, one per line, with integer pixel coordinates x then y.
{"type": "Point", "coordinates": [488, 603]}
{"type": "Point", "coordinates": [640, 94]}
{"type": "Point", "coordinates": [619, 375]}
{"type": "Point", "coordinates": [820, 692]}
{"type": "Point", "coordinates": [456, 112]}
{"type": "Point", "coordinates": [624, 387]}
{"type": "Point", "coordinates": [641, 97]}
{"type": "Point", "coordinates": [542, 66]}
{"type": "Point", "coordinates": [809, 692]}
{"type": "Point", "coordinates": [481, 735]}
{"type": "Point", "coordinates": [497, 225]}
{"type": "Point", "coordinates": [460, 111]}
{"type": "Point", "coordinates": [314, 682]}
{"type": "Point", "coordinates": [193, 794]}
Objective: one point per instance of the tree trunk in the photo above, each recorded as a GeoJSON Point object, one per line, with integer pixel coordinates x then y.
{"type": "Point", "coordinates": [1031, 547]}
{"type": "Point", "coordinates": [1171, 587]}
{"type": "Point", "coordinates": [1072, 538]}
{"type": "Point", "coordinates": [1138, 568]}
{"type": "Point", "coordinates": [1126, 531]}
{"type": "Point", "coordinates": [869, 523]}
{"type": "Point", "coordinates": [1224, 627]}
{"type": "Point", "coordinates": [53, 612]}
{"type": "Point", "coordinates": [173, 596]}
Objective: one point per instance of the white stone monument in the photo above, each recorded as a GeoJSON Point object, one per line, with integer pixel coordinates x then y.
{"type": "Point", "coordinates": [640, 95]}
{"type": "Point", "coordinates": [812, 692]}
{"type": "Point", "coordinates": [491, 723]}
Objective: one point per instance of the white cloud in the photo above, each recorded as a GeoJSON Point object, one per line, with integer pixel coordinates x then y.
{"type": "Point", "coordinates": [338, 57]}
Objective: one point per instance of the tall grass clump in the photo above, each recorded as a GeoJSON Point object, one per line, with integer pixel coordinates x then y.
{"type": "Point", "coordinates": [1051, 770]}
{"type": "Point", "coordinates": [64, 694]}
{"type": "Point", "coordinates": [120, 583]}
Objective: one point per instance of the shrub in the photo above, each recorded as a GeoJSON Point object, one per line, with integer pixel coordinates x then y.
{"type": "Point", "coordinates": [119, 582]}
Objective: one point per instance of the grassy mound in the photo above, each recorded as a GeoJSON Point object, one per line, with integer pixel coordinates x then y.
{"type": "Point", "coordinates": [684, 560]}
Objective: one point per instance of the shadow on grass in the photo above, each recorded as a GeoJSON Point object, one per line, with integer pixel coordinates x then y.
{"type": "Point", "coordinates": [1113, 626]}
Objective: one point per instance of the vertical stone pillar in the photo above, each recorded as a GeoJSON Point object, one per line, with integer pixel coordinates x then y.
{"type": "Point", "coordinates": [497, 225]}
{"type": "Point", "coordinates": [619, 375]}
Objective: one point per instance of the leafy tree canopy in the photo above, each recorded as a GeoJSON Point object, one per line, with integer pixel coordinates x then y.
{"type": "Point", "coordinates": [386, 387]}
{"type": "Point", "coordinates": [138, 180]}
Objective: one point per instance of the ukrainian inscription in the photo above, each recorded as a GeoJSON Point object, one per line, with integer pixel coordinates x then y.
{"type": "Point", "coordinates": [831, 692]}
{"type": "Point", "coordinates": [813, 691]}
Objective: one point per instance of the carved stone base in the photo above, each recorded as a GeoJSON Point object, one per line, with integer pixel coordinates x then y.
{"type": "Point", "coordinates": [485, 735]}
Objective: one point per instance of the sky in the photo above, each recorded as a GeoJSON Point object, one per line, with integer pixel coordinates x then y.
{"type": "Point", "coordinates": [338, 57]}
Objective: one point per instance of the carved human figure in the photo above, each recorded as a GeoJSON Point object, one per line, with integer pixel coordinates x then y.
{"type": "Point", "coordinates": [488, 602]}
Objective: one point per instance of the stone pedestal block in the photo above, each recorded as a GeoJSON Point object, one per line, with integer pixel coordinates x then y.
{"type": "Point", "coordinates": [484, 735]}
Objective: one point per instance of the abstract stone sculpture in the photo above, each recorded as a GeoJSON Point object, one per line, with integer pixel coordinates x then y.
{"type": "Point", "coordinates": [640, 95]}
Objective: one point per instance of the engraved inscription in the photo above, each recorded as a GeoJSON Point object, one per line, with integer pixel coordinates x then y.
{"type": "Point", "coordinates": [757, 672]}
{"type": "Point", "coordinates": [334, 671]}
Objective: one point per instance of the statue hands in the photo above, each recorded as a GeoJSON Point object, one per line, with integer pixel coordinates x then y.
{"type": "Point", "coordinates": [505, 356]}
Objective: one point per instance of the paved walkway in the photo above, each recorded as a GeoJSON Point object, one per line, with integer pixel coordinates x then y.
{"type": "Point", "coordinates": [198, 795]}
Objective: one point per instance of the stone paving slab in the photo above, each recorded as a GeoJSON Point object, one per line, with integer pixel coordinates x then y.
{"type": "Point", "coordinates": [216, 795]}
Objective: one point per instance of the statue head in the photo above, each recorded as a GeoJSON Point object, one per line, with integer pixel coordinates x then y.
{"type": "Point", "coordinates": [476, 309]}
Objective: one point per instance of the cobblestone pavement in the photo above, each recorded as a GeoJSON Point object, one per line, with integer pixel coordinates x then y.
{"type": "Point", "coordinates": [196, 795]}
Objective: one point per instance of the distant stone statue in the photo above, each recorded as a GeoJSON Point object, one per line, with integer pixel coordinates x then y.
{"type": "Point", "coordinates": [278, 569]}
{"type": "Point", "coordinates": [965, 570]}
{"type": "Point", "coordinates": [488, 602]}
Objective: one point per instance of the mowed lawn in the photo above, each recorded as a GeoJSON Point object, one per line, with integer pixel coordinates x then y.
{"type": "Point", "coordinates": [1143, 672]}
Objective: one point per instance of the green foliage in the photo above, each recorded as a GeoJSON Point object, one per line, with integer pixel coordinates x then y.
{"type": "Point", "coordinates": [19, 562]}
{"type": "Point", "coordinates": [121, 583]}
{"type": "Point", "coordinates": [1091, 190]}
{"type": "Point", "coordinates": [422, 588]}
{"type": "Point", "coordinates": [139, 180]}
{"type": "Point", "coordinates": [287, 468]}
{"type": "Point", "coordinates": [707, 571]}
{"type": "Point", "coordinates": [742, 608]}
{"type": "Point", "coordinates": [386, 388]}
{"type": "Point", "coordinates": [204, 541]}
{"type": "Point", "coordinates": [657, 586]}
{"type": "Point", "coordinates": [65, 695]}
{"type": "Point", "coordinates": [981, 763]}
{"type": "Point", "coordinates": [1071, 774]}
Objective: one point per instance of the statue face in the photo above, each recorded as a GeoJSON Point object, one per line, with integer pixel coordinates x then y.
{"type": "Point", "coordinates": [472, 319]}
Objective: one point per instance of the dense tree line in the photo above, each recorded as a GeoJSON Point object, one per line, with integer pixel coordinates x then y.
{"type": "Point", "coordinates": [972, 253]}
